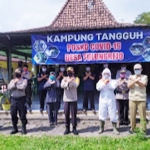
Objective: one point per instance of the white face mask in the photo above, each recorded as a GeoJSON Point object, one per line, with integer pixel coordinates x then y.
{"type": "Point", "coordinates": [62, 69]}
{"type": "Point", "coordinates": [123, 68]}
{"type": "Point", "coordinates": [88, 68]}
{"type": "Point", "coordinates": [105, 65]}
{"type": "Point", "coordinates": [44, 69]}
{"type": "Point", "coordinates": [137, 72]}
{"type": "Point", "coordinates": [106, 76]}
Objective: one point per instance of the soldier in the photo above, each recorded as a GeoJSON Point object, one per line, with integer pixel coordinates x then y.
{"type": "Point", "coordinates": [26, 74]}
{"type": "Point", "coordinates": [18, 101]}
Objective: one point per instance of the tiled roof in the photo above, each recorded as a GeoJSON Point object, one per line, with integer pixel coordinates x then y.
{"type": "Point", "coordinates": [82, 14]}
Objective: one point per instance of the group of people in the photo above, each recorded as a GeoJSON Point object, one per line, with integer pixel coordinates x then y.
{"type": "Point", "coordinates": [126, 90]}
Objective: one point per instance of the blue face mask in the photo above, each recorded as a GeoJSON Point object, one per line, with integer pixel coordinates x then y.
{"type": "Point", "coordinates": [52, 77]}
{"type": "Point", "coordinates": [137, 72]}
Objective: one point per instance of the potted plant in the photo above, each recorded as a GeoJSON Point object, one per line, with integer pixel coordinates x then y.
{"type": "Point", "coordinates": [4, 98]}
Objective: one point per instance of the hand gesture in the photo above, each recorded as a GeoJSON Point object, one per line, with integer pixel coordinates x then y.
{"type": "Point", "coordinates": [23, 73]}
{"type": "Point", "coordinates": [89, 73]}
{"type": "Point", "coordinates": [106, 81]}
{"type": "Point", "coordinates": [16, 80]}
{"type": "Point", "coordinates": [70, 80]}
{"type": "Point", "coordinates": [86, 73]}
{"type": "Point", "coordinates": [137, 79]}
{"type": "Point", "coordinates": [53, 82]}
{"type": "Point", "coordinates": [45, 76]}
{"type": "Point", "coordinates": [61, 74]}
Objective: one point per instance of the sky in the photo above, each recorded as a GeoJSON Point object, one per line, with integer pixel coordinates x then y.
{"type": "Point", "coordinates": [27, 14]}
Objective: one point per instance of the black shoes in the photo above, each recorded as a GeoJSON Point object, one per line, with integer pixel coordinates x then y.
{"type": "Point", "coordinates": [41, 111]}
{"type": "Point", "coordinates": [24, 131]}
{"type": "Point", "coordinates": [14, 130]}
{"type": "Point", "coordinates": [30, 110]}
{"type": "Point", "coordinates": [75, 132]}
{"type": "Point", "coordinates": [67, 131]}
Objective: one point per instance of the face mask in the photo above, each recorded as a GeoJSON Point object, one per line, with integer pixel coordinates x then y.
{"type": "Point", "coordinates": [18, 75]}
{"type": "Point", "coordinates": [106, 76]}
{"type": "Point", "coordinates": [25, 69]}
{"type": "Point", "coordinates": [105, 65]}
{"type": "Point", "coordinates": [137, 72]}
{"type": "Point", "coordinates": [88, 68]}
{"type": "Point", "coordinates": [52, 77]}
{"type": "Point", "coordinates": [123, 68]}
{"type": "Point", "coordinates": [62, 69]}
{"type": "Point", "coordinates": [122, 75]}
{"type": "Point", "coordinates": [70, 74]}
{"type": "Point", "coordinates": [44, 69]}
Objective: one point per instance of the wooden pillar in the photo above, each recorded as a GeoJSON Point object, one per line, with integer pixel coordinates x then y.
{"type": "Point", "coordinates": [9, 64]}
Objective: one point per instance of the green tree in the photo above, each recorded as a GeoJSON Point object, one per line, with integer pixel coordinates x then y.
{"type": "Point", "coordinates": [143, 18]}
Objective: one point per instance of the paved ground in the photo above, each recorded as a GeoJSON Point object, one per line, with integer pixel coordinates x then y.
{"type": "Point", "coordinates": [88, 125]}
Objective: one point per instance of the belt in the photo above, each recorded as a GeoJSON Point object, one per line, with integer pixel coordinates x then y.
{"type": "Point", "coordinates": [17, 98]}
{"type": "Point", "coordinates": [122, 92]}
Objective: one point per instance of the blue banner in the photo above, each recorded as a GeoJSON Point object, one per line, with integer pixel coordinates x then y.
{"type": "Point", "coordinates": [98, 46]}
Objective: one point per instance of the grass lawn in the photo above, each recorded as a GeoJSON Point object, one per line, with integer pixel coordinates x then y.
{"type": "Point", "coordinates": [73, 143]}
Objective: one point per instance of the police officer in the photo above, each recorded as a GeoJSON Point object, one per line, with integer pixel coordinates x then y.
{"type": "Point", "coordinates": [18, 101]}
{"type": "Point", "coordinates": [70, 85]}
{"type": "Point", "coordinates": [26, 74]}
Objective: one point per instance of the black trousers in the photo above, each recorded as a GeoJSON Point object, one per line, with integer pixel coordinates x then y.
{"type": "Point", "coordinates": [123, 110]}
{"type": "Point", "coordinates": [88, 95]}
{"type": "Point", "coordinates": [73, 107]}
{"type": "Point", "coordinates": [18, 105]}
{"type": "Point", "coordinates": [28, 92]}
{"type": "Point", "coordinates": [42, 95]}
{"type": "Point", "coordinates": [52, 110]}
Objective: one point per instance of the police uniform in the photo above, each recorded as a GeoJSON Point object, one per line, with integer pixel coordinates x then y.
{"type": "Point", "coordinates": [18, 101]}
{"type": "Point", "coordinates": [28, 91]}
{"type": "Point", "coordinates": [70, 85]}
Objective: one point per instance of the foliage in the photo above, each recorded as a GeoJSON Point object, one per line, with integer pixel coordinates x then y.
{"type": "Point", "coordinates": [4, 99]}
{"type": "Point", "coordinates": [143, 18]}
{"type": "Point", "coordinates": [72, 143]}
{"type": "Point", "coordinates": [140, 131]}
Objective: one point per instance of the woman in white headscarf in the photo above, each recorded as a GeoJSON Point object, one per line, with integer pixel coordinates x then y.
{"type": "Point", "coordinates": [107, 100]}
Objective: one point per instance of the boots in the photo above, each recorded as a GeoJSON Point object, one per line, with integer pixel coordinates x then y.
{"type": "Point", "coordinates": [67, 131]}
{"type": "Point", "coordinates": [14, 130]}
{"type": "Point", "coordinates": [24, 131]}
{"type": "Point", "coordinates": [114, 124]}
{"type": "Point", "coordinates": [75, 132]}
{"type": "Point", "coordinates": [101, 130]}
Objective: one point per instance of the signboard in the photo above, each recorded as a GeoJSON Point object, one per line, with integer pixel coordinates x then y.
{"type": "Point", "coordinates": [98, 46]}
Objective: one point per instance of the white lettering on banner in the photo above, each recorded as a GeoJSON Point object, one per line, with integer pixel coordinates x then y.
{"type": "Point", "coordinates": [57, 39]}
{"type": "Point", "coordinates": [49, 39]}
{"type": "Point", "coordinates": [99, 37]}
{"type": "Point", "coordinates": [120, 36]}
